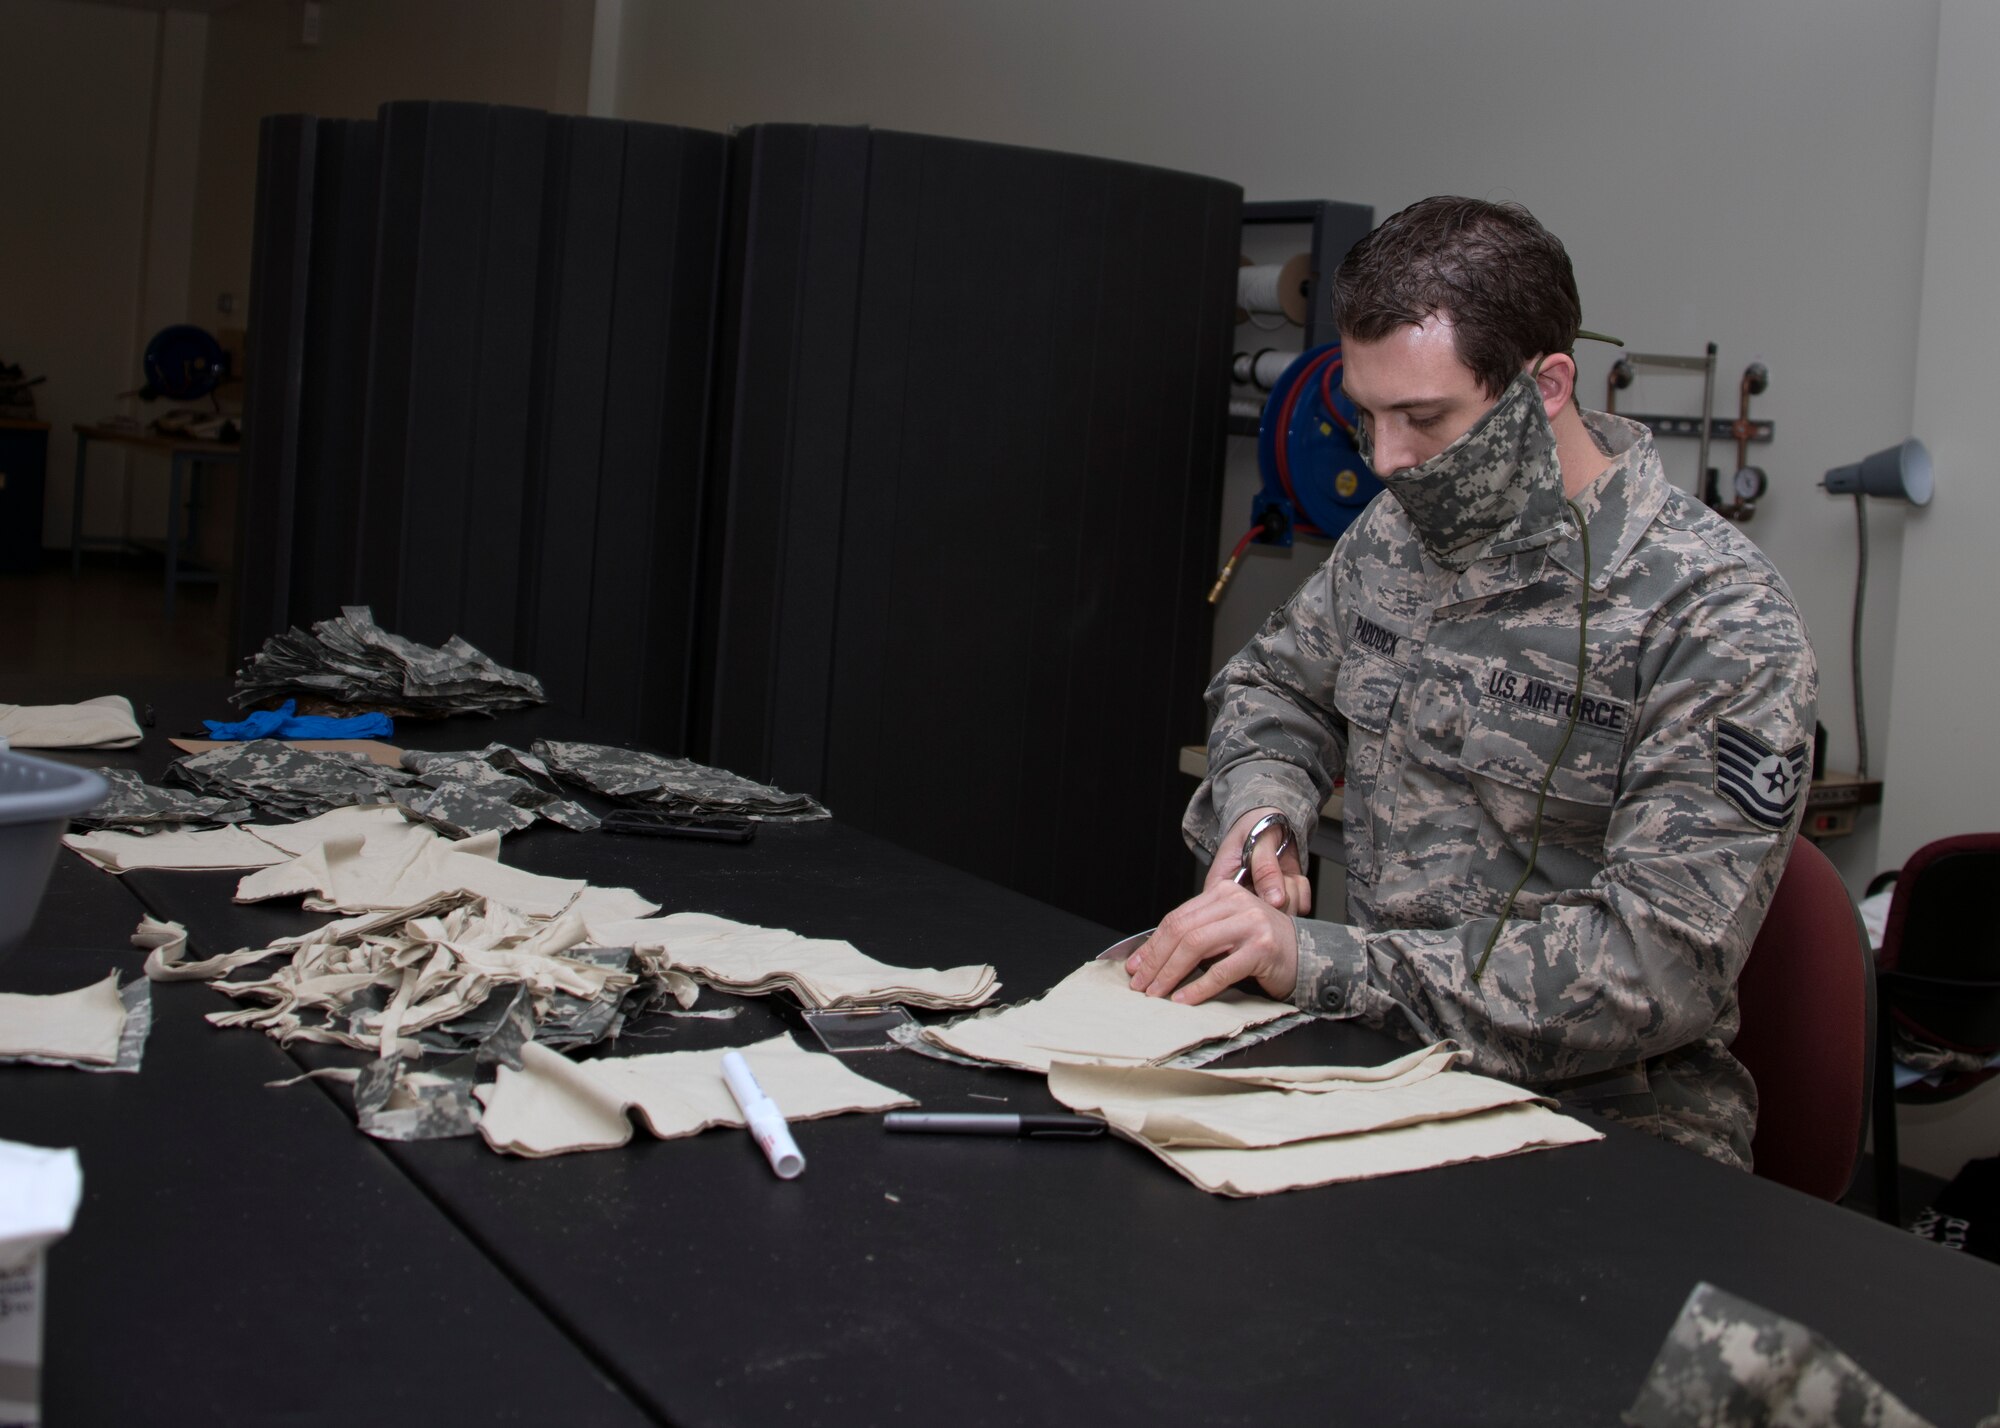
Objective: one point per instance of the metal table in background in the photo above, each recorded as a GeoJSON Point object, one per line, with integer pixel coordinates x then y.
{"type": "Point", "coordinates": [185, 460]}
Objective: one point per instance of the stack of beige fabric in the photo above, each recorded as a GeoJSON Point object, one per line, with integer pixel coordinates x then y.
{"type": "Point", "coordinates": [821, 972]}
{"type": "Point", "coordinates": [102, 723]}
{"type": "Point", "coordinates": [1259, 1130]}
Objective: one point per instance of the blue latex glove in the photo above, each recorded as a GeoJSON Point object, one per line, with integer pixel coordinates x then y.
{"type": "Point", "coordinates": [283, 723]}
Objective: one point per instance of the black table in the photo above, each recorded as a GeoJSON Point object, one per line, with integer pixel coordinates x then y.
{"type": "Point", "coordinates": [971, 1281]}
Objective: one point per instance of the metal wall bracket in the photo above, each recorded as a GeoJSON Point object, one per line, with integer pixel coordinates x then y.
{"type": "Point", "coordinates": [1719, 428]}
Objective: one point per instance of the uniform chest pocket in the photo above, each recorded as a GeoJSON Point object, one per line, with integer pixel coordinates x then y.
{"type": "Point", "coordinates": [1507, 754]}
{"type": "Point", "coordinates": [1365, 692]}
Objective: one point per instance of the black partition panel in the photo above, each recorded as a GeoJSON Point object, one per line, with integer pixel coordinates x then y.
{"type": "Point", "coordinates": [881, 466]}
{"type": "Point", "coordinates": [479, 394]}
{"type": "Point", "coordinates": [974, 410]}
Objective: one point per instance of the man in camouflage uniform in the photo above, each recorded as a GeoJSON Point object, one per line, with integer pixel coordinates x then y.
{"type": "Point", "coordinates": [1561, 869]}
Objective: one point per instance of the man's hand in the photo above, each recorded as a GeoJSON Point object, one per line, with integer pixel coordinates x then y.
{"type": "Point", "coordinates": [1279, 880]}
{"type": "Point", "coordinates": [1229, 927]}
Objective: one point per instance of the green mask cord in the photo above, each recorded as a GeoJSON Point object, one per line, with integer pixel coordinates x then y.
{"type": "Point", "coordinates": [1575, 708]}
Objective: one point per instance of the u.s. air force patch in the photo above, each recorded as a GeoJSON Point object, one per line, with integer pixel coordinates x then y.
{"type": "Point", "coordinates": [1762, 781]}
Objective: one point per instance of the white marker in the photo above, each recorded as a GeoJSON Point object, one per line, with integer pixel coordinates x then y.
{"type": "Point", "coordinates": [767, 1122]}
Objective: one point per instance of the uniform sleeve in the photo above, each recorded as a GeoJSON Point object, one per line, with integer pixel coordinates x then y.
{"type": "Point", "coordinates": [1644, 958]}
{"type": "Point", "coordinates": [1275, 740]}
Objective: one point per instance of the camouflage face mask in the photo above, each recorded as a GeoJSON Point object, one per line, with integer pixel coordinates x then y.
{"type": "Point", "coordinates": [1476, 488]}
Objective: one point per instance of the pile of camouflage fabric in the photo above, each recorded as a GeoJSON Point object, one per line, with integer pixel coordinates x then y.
{"type": "Point", "coordinates": [353, 661]}
{"type": "Point", "coordinates": [637, 780]}
{"type": "Point", "coordinates": [491, 791]}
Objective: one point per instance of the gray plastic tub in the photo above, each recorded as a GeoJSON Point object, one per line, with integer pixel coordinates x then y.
{"type": "Point", "coordinates": [37, 800]}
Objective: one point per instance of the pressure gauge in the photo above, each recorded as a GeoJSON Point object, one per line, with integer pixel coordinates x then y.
{"type": "Point", "coordinates": [1748, 483]}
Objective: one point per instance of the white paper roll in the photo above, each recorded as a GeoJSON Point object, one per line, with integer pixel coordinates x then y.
{"type": "Point", "coordinates": [1276, 288]}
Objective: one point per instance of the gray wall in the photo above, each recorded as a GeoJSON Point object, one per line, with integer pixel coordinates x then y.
{"type": "Point", "coordinates": [1940, 762]}
{"type": "Point", "coordinates": [1718, 171]}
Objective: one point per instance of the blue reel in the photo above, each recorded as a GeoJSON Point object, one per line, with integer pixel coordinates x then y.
{"type": "Point", "coordinates": [1315, 482]}
{"type": "Point", "coordinates": [183, 363]}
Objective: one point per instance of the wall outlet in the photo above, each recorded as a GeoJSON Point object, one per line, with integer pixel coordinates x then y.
{"type": "Point", "coordinates": [225, 303]}
{"type": "Point", "coordinates": [309, 19]}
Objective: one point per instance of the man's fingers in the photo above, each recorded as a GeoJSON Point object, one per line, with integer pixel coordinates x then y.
{"type": "Point", "coordinates": [1172, 959]}
{"type": "Point", "coordinates": [1268, 873]}
{"type": "Point", "coordinates": [1221, 975]}
{"type": "Point", "coordinates": [1208, 928]}
{"type": "Point", "coordinates": [1183, 938]}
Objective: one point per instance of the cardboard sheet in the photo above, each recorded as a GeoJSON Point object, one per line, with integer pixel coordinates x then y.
{"type": "Point", "coordinates": [374, 750]}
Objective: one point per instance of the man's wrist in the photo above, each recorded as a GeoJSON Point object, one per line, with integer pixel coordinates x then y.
{"type": "Point", "coordinates": [1332, 968]}
{"type": "Point", "coordinates": [1254, 789]}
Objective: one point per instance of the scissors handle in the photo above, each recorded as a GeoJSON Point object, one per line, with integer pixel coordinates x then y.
{"type": "Point", "coordinates": [1258, 830]}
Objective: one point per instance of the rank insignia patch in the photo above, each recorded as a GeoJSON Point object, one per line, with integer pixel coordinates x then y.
{"type": "Point", "coordinates": [1762, 781]}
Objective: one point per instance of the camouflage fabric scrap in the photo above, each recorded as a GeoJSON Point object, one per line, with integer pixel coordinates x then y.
{"type": "Point", "coordinates": [1432, 662]}
{"type": "Point", "coordinates": [352, 660]}
{"type": "Point", "coordinates": [678, 785]}
{"type": "Point", "coordinates": [491, 790]}
{"type": "Point", "coordinates": [1728, 1363]}
{"type": "Point", "coordinates": [135, 806]}
{"type": "Point", "coordinates": [284, 782]}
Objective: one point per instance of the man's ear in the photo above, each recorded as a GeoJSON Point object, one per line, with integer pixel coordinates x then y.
{"type": "Point", "coordinates": [1555, 377]}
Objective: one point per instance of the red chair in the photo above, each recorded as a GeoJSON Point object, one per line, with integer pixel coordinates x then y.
{"type": "Point", "coordinates": [1939, 974]}
{"type": "Point", "coordinates": [1807, 999]}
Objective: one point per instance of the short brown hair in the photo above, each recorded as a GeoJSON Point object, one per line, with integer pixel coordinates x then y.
{"type": "Point", "coordinates": [1503, 280]}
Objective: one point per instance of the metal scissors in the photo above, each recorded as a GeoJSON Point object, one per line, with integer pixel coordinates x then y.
{"type": "Point", "coordinates": [1125, 946]}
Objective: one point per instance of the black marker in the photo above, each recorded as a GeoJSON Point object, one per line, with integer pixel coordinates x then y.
{"type": "Point", "coordinates": [991, 1123]}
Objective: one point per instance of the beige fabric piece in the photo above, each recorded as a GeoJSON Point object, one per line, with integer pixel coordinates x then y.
{"type": "Point", "coordinates": [105, 722]}
{"type": "Point", "coordinates": [597, 905]}
{"type": "Point", "coordinates": [822, 972]}
{"type": "Point", "coordinates": [1260, 1130]}
{"type": "Point", "coordinates": [354, 821]}
{"type": "Point", "coordinates": [553, 1105]}
{"type": "Point", "coordinates": [166, 942]}
{"type": "Point", "coordinates": [1271, 1106]}
{"type": "Point", "coordinates": [180, 849]}
{"type": "Point", "coordinates": [83, 1025]}
{"type": "Point", "coordinates": [247, 845]}
{"type": "Point", "coordinates": [1510, 1130]}
{"type": "Point", "coordinates": [1094, 1015]}
{"type": "Point", "coordinates": [395, 867]}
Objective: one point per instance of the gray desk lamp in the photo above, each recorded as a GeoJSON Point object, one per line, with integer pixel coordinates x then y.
{"type": "Point", "coordinates": [1901, 473]}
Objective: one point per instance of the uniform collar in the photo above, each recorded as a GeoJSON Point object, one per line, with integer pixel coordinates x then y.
{"type": "Point", "coordinates": [1621, 503]}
